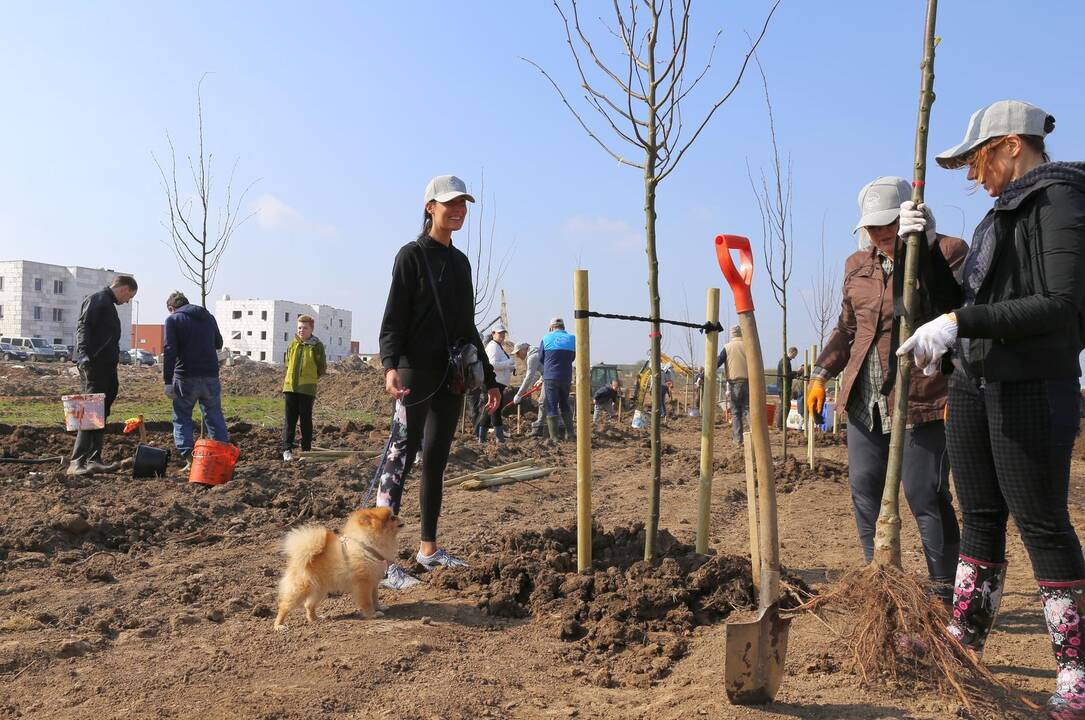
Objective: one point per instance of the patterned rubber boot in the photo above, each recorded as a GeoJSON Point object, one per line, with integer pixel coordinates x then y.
{"type": "Point", "coordinates": [1063, 606]}
{"type": "Point", "coordinates": [977, 593]}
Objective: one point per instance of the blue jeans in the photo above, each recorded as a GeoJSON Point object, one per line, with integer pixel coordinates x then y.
{"type": "Point", "coordinates": [187, 392]}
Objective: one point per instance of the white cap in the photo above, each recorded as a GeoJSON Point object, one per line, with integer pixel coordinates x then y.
{"type": "Point", "coordinates": [499, 327]}
{"type": "Point", "coordinates": [880, 199]}
{"type": "Point", "coordinates": [1005, 117]}
{"type": "Point", "coordinates": [445, 188]}
{"type": "Point", "coordinates": [522, 346]}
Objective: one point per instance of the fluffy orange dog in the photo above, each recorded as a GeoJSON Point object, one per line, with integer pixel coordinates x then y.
{"type": "Point", "coordinates": [320, 562]}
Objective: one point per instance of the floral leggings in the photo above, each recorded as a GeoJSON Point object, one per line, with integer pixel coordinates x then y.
{"type": "Point", "coordinates": [425, 419]}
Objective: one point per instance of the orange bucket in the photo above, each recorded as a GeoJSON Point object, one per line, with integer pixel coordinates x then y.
{"type": "Point", "coordinates": [213, 462]}
{"type": "Point", "coordinates": [770, 413]}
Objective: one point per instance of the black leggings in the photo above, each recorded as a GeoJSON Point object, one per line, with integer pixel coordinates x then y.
{"type": "Point", "coordinates": [493, 419]}
{"type": "Point", "coordinates": [432, 413]}
{"type": "Point", "coordinates": [1010, 445]}
{"type": "Point", "coordinates": [298, 406]}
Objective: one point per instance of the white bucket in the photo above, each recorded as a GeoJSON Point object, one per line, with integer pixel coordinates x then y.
{"type": "Point", "coordinates": [638, 419]}
{"type": "Point", "coordinates": [84, 412]}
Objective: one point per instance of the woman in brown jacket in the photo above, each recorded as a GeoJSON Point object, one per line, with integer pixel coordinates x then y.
{"type": "Point", "coordinates": [859, 350]}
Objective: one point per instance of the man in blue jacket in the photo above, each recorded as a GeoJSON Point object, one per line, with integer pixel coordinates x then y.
{"type": "Point", "coordinates": [556, 353]}
{"type": "Point", "coordinates": [190, 371]}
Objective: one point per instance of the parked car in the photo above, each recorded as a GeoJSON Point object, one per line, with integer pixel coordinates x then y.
{"type": "Point", "coordinates": [10, 352]}
{"type": "Point", "coordinates": [37, 349]}
{"type": "Point", "coordinates": [141, 357]}
{"type": "Point", "coordinates": [61, 352]}
{"type": "Point", "coordinates": [124, 359]}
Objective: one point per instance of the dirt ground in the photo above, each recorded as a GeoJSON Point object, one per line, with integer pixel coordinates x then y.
{"type": "Point", "coordinates": [126, 598]}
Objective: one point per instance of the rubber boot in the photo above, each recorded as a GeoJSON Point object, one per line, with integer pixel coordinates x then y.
{"type": "Point", "coordinates": [499, 431]}
{"type": "Point", "coordinates": [570, 429]}
{"type": "Point", "coordinates": [977, 593]}
{"type": "Point", "coordinates": [1063, 607]}
{"type": "Point", "coordinates": [76, 467]}
{"type": "Point", "coordinates": [552, 426]}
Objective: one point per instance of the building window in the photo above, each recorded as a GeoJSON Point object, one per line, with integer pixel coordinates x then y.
{"type": "Point", "coordinates": [285, 336]}
{"type": "Point", "coordinates": [263, 355]}
{"type": "Point", "coordinates": [249, 333]}
{"type": "Point", "coordinates": [58, 315]}
{"type": "Point", "coordinates": [143, 341]}
{"type": "Point", "coordinates": [340, 323]}
{"type": "Point", "coordinates": [1, 283]}
{"type": "Point", "coordinates": [235, 335]}
{"type": "Point", "coordinates": [58, 287]}
{"type": "Point", "coordinates": [37, 312]}
{"type": "Point", "coordinates": [263, 314]}
{"type": "Point", "coordinates": [248, 353]}
{"type": "Point", "coordinates": [286, 317]}
{"type": "Point", "coordinates": [237, 315]}
{"type": "Point", "coordinates": [284, 357]}
{"type": "Point", "coordinates": [263, 336]}
{"type": "Point", "coordinates": [37, 284]}
{"type": "Point", "coordinates": [1, 312]}
{"type": "Point", "coordinates": [250, 312]}
{"type": "Point", "coordinates": [340, 342]}
{"type": "Point", "coordinates": [58, 341]}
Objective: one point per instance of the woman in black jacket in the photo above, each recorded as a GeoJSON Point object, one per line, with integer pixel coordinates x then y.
{"type": "Point", "coordinates": [1015, 334]}
{"type": "Point", "coordinates": [415, 335]}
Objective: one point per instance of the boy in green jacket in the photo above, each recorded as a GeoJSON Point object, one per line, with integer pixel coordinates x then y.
{"type": "Point", "coordinates": [305, 364]}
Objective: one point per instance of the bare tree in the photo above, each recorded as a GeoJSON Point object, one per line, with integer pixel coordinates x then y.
{"type": "Point", "coordinates": [822, 301]}
{"type": "Point", "coordinates": [774, 201]}
{"type": "Point", "coordinates": [480, 250]}
{"type": "Point", "coordinates": [640, 99]}
{"type": "Point", "coordinates": [199, 232]}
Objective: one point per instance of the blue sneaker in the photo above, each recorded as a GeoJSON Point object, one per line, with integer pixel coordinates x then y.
{"type": "Point", "coordinates": [398, 579]}
{"type": "Point", "coordinates": [439, 559]}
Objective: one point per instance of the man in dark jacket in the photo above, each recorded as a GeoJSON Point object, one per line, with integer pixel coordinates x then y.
{"type": "Point", "coordinates": [190, 371]}
{"type": "Point", "coordinates": [97, 352]}
{"type": "Point", "coordinates": [556, 353]}
{"type": "Point", "coordinates": [784, 376]}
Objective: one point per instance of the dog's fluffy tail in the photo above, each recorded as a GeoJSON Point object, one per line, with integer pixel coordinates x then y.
{"type": "Point", "coordinates": [303, 544]}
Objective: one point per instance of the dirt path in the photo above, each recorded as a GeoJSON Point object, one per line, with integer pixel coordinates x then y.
{"type": "Point", "coordinates": [124, 598]}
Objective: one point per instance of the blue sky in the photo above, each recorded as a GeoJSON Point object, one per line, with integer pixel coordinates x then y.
{"type": "Point", "coordinates": [343, 111]}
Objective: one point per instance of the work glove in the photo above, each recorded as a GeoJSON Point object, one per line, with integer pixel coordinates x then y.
{"type": "Point", "coordinates": [916, 219]}
{"type": "Point", "coordinates": [170, 392]}
{"type": "Point", "coordinates": [930, 342]}
{"type": "Point", "coordinates": [516, 398]}
{"type": "Point", "coordinates": [815, 398]}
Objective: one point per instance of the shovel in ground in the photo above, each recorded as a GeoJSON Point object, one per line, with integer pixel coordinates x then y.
{"type": "Point", "coordinates": [755, 651]}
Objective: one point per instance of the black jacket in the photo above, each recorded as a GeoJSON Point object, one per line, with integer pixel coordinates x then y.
{"type": "Point", "coordinates": [192, 342]}
{"type": "Point", "coordinates": [98, 334]}
{"type": "Point", "coordinates": [1024, 318]}
{"type": "Point", "coordinates": [411, 333]}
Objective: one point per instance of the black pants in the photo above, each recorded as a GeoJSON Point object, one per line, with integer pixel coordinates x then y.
{"type": "Point", "coordinates": [298, 407]}
{"type": "Point", "coordinates": [432, 414]}
{"type": "Point", "coordinates": [96, 379]}
{"type": "Point", "coordinates": [488, 420]}
{"type": "Point", "coordinates": [925, 478]}
{"type": "Point", "coordinates": [1010, 445]}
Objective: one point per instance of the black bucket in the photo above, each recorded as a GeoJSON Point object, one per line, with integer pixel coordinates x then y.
{"type": "Point", "coordinates": [149, 461]}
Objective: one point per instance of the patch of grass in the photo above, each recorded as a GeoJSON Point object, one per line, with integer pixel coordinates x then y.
{"type": "Point", "coordinates": [255, 409]}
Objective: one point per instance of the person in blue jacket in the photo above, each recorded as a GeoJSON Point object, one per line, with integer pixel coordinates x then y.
{"type": "Point", "coordinates": [190, 371]}
{"type": "Point", "coordinates": [556, 352]}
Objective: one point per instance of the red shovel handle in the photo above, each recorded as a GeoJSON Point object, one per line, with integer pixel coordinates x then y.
{"type": "Point", "coordinates": [739, 278]}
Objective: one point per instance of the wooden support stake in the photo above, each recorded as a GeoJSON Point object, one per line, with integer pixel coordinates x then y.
{"type": "Point", "coordinates": [813, 355]}
{"type": "Point", "coordinates": [142, 430]}
{"type": "Point", "coordinates": [519, 417]}
{"type": "Point", "coordinates": [708, 421]}
{"type": "Point", "coordinates": [583, 422]}
{"type": "Point", "coordinates": [751, 506]}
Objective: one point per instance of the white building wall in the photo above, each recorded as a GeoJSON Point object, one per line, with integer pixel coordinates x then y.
{"type": "Point", "coordinates": [263, 329]}
{"type": "Point", "coordinates": [28, 306]}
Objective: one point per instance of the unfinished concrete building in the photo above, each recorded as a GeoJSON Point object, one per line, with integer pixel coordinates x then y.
{"type": "Point", "coordinates": [262, 329]}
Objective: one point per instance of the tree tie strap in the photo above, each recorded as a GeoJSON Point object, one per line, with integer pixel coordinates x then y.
{"type": "Point", "coordinates": [702, 327]}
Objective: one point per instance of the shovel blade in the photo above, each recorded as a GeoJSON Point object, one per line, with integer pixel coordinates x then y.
{"type": "Point", "coordinates": [754, 659]}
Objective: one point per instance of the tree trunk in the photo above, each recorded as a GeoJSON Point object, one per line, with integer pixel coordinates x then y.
{"type": "Point", "coordinates": [650, 159]}
{"type": "Point", "coordinates": [785, 398]}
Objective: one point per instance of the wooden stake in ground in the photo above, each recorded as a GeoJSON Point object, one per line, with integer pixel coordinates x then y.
{"type": "Point", "coordinates": [708, 420]}
{"type": "Point", "coordinates": [583, 421]}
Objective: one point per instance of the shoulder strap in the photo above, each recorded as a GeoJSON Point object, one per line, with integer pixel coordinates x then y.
{"type": "Point", "coordinates": [433, 287]}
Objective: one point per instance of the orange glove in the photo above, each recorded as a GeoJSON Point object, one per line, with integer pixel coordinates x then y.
{"type": "Point", "coordinates": [131, 425]}
{"type": "Point", "coordinates": [815, 396]}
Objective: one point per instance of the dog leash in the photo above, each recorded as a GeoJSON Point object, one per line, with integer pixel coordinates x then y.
{"type": "Point", "coordinates": [384, 459]}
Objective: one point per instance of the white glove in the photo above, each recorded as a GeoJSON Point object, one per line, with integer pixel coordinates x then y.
{"type": "Point", "coordinates": [913, 219]}
{"type": "Point", "coordinates": [516, 399]}
{"type": "Point", "coordinates": [930, 342]}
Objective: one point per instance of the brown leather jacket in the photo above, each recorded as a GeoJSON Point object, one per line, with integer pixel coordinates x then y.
{"type": "Point", "coordinates": [866, 317]}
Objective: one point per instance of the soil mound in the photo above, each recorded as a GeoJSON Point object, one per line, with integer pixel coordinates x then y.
{"type": "Point", "coordinates": [623, 605]}
{"type": "Point", "coordinates": [793, 473]}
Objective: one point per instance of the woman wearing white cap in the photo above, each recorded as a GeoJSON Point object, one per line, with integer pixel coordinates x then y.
{"type": "Point", "coordinates": [503, 368]}
{"type": "Point", "coordinates": [430, 307]}
{"type": "Point", "coordinates": [859, 351]}
{"type": "Point", "coordinates": [1014, 334]}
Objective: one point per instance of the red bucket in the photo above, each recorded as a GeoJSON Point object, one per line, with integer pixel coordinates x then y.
{"type": "Point", "coordinates": [213, 462]}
